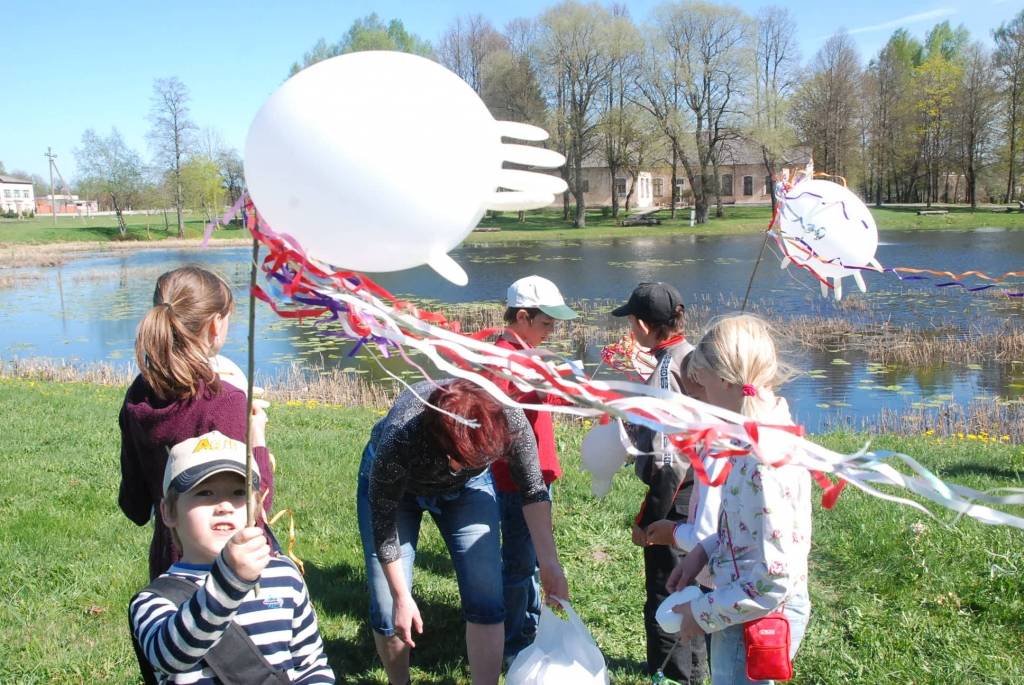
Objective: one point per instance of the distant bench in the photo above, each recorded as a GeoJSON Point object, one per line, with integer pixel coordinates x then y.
{"type": "Point", "coordinates": [929, 212]}
{"type": "Point", "coordinates": [640, 220]}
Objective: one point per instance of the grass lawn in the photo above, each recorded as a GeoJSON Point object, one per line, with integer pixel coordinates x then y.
{"type": "Point", "coordinates": [539, 225]}
{"type": "Point", "coordinates": [893, 603]}
{"type": "Point", "coordinates": [41, 229]}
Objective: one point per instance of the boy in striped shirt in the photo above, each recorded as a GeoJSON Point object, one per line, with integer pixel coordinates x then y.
{"type": "Point", "coordinates": [226, 562]}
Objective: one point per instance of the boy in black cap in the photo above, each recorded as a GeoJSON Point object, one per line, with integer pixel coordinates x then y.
{"type": "Point", "coordinates": [655, 312]}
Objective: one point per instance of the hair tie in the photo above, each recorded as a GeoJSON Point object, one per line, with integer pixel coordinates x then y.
{"type": "Point", "coordinates": [749, 390]}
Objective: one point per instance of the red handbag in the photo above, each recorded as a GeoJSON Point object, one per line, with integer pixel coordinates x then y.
{"type": "Point", "coordinates": [767, 643]}
{"type": "Point", "coordinates": [766, 639]}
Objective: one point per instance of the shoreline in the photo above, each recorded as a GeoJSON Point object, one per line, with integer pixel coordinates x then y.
{"type": "Point", "coordinates": [14, 255]}
{"type": "Point", "coordinates": [55, 253]}
{"type": "Point", "coordinates": [980, 422]}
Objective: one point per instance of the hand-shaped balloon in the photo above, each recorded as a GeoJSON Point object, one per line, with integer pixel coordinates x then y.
{"type": "Point", "coordinates": [381, 161]}
{"type": "Point", "coordinates": [826, 228]}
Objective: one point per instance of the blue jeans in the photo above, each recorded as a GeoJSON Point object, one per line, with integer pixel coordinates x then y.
{"type": "Point", "coordinates": [518, 575]}
{"type": "Point", "coordinates": [729, 655]}
{"type": "Point", "coordinates": [468, 521]}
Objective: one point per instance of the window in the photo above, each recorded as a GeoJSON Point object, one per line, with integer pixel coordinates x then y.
{"type": "Point", "coordinates": [7, 192]}
{"type": "Point", "coordinates": [726, 188]}
{"type": "Point", "coordinates": [680, 187]}
{"type": "Point", "coordinates": [657, 187]}
{"type": "Point", "coordinates": [620, 186]}
{"type": "Point", "coordinates": [769, 186]}
{"type": "Point", "coordinates": [748, 185]}
{"type": "Point", "coordinates": [585, 185]}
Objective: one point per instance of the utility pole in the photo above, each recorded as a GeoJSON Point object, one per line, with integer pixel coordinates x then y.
{"type": "Point", "coordinates": [53, 200]}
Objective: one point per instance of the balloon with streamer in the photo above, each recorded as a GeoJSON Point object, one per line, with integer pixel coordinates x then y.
{"type": "Point", "coordinates": [826, 229]}
{"type": "Point", "coordinates": [382, 161]}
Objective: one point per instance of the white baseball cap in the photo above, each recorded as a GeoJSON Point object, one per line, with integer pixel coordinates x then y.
{"type": "Point", "coordinates": [194, 460]}
{"type": "Point", "coordinates": [536, 292]}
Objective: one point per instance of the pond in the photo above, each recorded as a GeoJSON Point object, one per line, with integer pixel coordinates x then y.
{"type": "Point", "coordinates": [87, 310]}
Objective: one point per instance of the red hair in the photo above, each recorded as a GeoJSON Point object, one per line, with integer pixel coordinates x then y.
{"type": "Point", "coordinates": [471, 447]}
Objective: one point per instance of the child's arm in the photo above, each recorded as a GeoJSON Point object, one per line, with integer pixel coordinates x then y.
{"type": "Point", "coordinates": [768, 568]}
{"type": "Point", "coordinates": [133, 496]}
{"type": "Point", "coordinates": [306, 646]}
{"type": "Point", "coordinates": [175, 639]}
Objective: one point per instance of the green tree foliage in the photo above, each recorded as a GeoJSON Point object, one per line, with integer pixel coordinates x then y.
{"type": "Point", "coordinates": [202, 185]}
{"type": "Point", "coordinates": [367, 33]}
{"type": "Point", "coordinates": [108, 167]}
{"type": "Point", "coordinates": [1009, 61]}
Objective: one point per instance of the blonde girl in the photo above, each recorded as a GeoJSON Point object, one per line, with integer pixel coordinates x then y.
{"type": "Point", "coordinates": [758, 558]}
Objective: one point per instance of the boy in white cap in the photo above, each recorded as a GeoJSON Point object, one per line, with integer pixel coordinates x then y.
{"type": "Point", "coordinates": [227, 612]}
{"type": "Point", "coordinates": [533, 306]}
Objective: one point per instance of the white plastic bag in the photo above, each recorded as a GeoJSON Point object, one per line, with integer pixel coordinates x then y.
{"type": "Point", "coordinates": [563, 653]}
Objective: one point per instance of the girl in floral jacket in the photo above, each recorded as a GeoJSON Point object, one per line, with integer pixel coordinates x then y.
{"type": "Point", "coordinates": [758, 559]}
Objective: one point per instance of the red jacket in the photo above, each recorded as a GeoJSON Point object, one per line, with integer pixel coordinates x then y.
{"type": "Point", "coordinates": [543, 429]}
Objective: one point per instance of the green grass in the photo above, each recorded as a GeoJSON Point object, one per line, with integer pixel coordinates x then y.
{"type": "Point", "coordinates": [944, 605]}
{"type": "Point", "coordinates": [42, 229]}
{"type": "Point", "coordinates": [547, 224]}
{"type": "Point", "coordinates": [543, 224]}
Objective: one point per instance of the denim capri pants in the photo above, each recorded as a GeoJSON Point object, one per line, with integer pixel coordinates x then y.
{"type": "Point", "coordinates": [469, 523]}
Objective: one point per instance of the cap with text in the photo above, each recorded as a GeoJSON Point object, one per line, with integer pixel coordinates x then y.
{"type": "Point", "coordinates": [192, 461]}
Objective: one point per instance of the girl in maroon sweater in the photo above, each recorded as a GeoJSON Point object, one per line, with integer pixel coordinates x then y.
{"type": "Point", "coordinates": [178, 396]}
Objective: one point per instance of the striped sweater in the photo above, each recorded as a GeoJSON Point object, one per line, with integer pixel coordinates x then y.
{"type": "Point", "coordinates": [279, 620]}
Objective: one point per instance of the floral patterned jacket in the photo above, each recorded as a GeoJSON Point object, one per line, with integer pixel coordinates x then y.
{"type": "Point", "coordinates": [768, 514]}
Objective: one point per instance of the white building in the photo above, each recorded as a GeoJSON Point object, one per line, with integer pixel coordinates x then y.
{"type": "Point", "coordinates": [16, 195]}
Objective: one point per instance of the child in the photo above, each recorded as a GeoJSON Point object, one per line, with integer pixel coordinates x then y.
{"type": "Point", "coordinates": [534, 304]}
{"type": "Point", "coordinates": [228, 611]}
{"type": "Point", "coordinates": [655, 312]}
{"type": "Point", "coordinates": [178, 395]}
{"type": "Point", "coordinates": [758, 559]}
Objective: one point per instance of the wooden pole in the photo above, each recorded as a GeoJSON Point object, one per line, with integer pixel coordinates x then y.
{"type": "Point", "coordinates": [750, 283]}
{"type": "Point", "coordinates": [250, 512]}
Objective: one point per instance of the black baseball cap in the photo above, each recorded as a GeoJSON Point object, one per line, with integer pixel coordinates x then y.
{"type": "Point", "coordinates": [654, 303]}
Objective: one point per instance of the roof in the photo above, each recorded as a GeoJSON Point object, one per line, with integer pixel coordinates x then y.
{"type": "Point", "coordinates": [743, 151]}
{"type": "Point", "coordinates": [13, 179]}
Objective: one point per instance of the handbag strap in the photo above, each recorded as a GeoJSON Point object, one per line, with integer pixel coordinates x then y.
{"type": "Point", "coordinates": [732, 551]}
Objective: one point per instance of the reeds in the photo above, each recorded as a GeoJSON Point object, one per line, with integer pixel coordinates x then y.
{"type": "Point", "coordinates": [982, 421]}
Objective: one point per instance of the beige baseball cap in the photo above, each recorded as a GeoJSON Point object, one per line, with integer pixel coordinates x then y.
{"type": "Point", "coordinates": [194, 460]}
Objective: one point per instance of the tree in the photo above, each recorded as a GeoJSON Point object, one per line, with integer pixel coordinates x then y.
{"type": "Point", "coordinates": [709, 50]}
{"type": "Point", "coordinates": [660, 93]}
{"type": "Point", "coordinates": [202, 185]}
{"type": "Point", "coordinates": [619, 115]}
{"type": "Point", "coordinates": [776, 61]}
{"type": "Point", "coordinates": [232, 173]}
{"type": "Point", "coordinates": [1009, 60]}
{"type": "Point", "coordinates": [572, 48]}
{"type": "Point", "coordinates": [976, 100]}
{"type": "Point", "coordinates": [108, 167]}
{"type": "Point", "coordinates": [465, 46]}
{"type": "Point", "coordinates": [935, 83]}
{"type": "Point", "coordinates": [826, 106]}
{"type": "Point", "coordinates": [367, 33]}
{"type": "Point", "coordinates": [171, 134]}
{"type": "Point", "coordinates": [894, 147]}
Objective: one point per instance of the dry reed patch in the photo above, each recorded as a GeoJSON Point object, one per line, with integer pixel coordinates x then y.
{"type": "Point", "coordinates": [982, 421]}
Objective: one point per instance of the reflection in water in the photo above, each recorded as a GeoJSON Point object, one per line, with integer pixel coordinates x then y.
{"type": "Point", "coordinates": [88, 309]}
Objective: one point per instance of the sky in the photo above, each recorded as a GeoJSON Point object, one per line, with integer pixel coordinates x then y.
{"type": "Point", "coordinates": [70, 66]}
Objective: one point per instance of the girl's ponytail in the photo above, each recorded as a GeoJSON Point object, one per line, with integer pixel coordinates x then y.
{"type": "Point", "coordinates": [170, 345]}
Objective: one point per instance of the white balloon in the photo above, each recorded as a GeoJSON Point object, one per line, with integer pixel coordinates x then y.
{"type": "Point", "coordinates": [381, 161]}
{"type": "Point", "coordinates": [669, 620]}
{"type": "Point", "coordinates": [828, 229]}
{"type": "Point", "coordinates": [603, 454]}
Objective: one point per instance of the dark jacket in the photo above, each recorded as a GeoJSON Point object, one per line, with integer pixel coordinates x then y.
{"type": "Point", "coordinates": [668, 476]}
